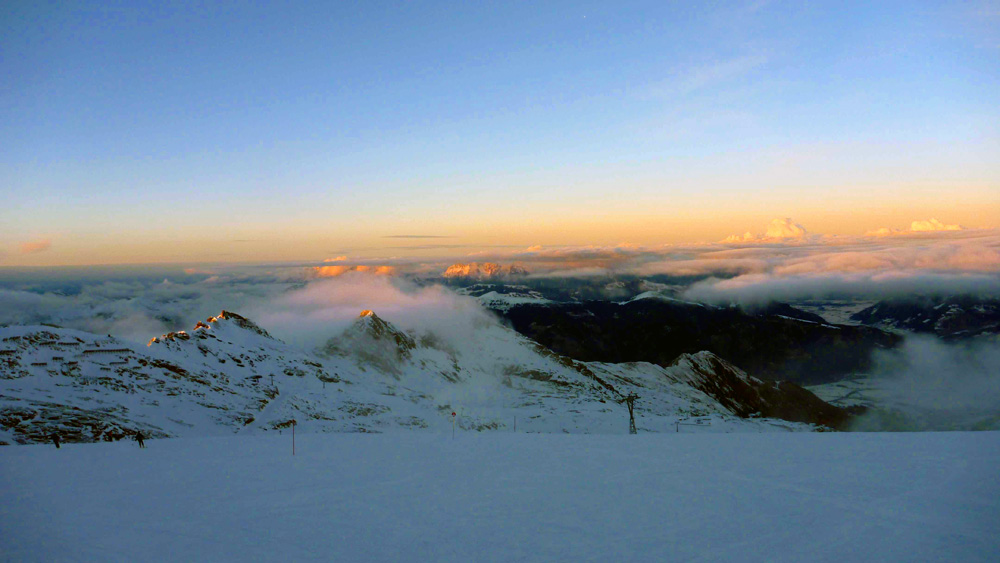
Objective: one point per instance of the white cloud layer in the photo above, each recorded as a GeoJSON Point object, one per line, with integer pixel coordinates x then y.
{"type": "Point", "coordinates": [928, 226]}
{"type": "Point", "coordinates": [932, 225]}
{"type": "Point", "coordinates": [795, 267]}
{"type": "Point", "coordinates": [937, 386]}
{"type": "Point", "coordinates": [777, 230]}
{"type": "Point", "coordinates": [311, 315]}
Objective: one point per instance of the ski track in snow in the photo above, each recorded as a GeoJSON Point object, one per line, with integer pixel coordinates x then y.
{"type": "Point", "coordinates": [507, 497]}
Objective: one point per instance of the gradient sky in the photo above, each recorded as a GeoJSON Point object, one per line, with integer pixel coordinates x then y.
{"type": "Point", "coordinates": [138, 132]}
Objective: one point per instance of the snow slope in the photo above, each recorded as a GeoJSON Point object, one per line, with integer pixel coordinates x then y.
{"type": "Point", "coordinates": [228, 375]}
{"type": "Point", "coordinates": [507, 497]}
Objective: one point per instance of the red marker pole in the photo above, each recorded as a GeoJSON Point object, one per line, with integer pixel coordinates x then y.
{"type": "Point", "coordinates": [453, 425]}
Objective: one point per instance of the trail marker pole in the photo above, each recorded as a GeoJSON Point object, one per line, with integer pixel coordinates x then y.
{"type": "Point", "coordinates": [293, 436]}
{"type": "Point", "coordinates": [452, 425]}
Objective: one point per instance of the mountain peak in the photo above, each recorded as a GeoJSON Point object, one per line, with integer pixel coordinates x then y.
{"type": "Point", "coordinates": [237, 320]}
{"type": "Point", "coordinates": [373, 341]}
{"type": "Point", "coordinates": [224, 318]}
{"type": "Point", "coordinates": [374, 326]}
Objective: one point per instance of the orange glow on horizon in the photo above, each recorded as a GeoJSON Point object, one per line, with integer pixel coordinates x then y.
{"type": "Point", "coordinates": [334, 271]}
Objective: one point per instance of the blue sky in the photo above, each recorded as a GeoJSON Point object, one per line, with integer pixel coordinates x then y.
{"type": "Point", "coordinates": [135, 125]}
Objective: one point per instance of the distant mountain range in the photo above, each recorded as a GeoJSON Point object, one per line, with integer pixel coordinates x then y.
{"type": "Point", "coordinates": [776, 343]}
{"type": "Point", "coordinates": [952, 318]}
{"type": "Point", "coordinates": [488, 271]}
{"type": "Point", "coordinates": [553, 363]}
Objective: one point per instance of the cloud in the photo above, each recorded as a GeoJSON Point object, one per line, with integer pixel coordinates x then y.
{"type": "Point", "coordinates": [301, 311]}
{"type": "Point", "coordinates": [337, 259]}
{"type": "Point", "coordinates": [785, 228]}
{"type": "Point", "coordinates": [703, 266]}
{"type": "Point", "coordinates": [933, 225]}
{"type": "Point", "coordinates": [427, 247]}
{"type": "Point", "coordinates": [763, 288]}
{"type": "Point", "coordinates": [575, 253]}
{"type": "Point", "coordinates": [134, 306]}
{"type": "Point", "coordinates": [745, 237]}
{"type": "Point", "coordinates": [934, 386]}
{"type": "Point", "coordinates": [785, 251]}
{"type": "Point", "coordinates": [929, 226]}
{"type": "Point", "coordinates": [778, 229]}
{"type": "Point", "coordinates": [322, 309]}
{"type": "Point", "coordinates": [579, 272]}
{"type": "Point", "coordinates": [565, 261]}
{"type": "Point", "coordinates": [781, 269]}
{"type": "Point", "coordinates": [35, 246]}
{"type": "Point", "coordinates": [944, 262]}
{"type": "Point", "coordinates": [334, 271]}
{"type": "Point", "coordinates": [418, 236]}
{"type": "Point", "coordinates": [883, 232]}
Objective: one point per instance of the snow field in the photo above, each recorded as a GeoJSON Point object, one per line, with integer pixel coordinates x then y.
{"type": "Point", "coordinates": [507, 497]}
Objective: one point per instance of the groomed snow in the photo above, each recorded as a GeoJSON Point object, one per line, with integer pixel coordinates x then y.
{"type": "Point", "coordinates": [507, 497]}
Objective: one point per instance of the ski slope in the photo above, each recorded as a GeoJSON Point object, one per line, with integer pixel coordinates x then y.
{"type": "Point", "coordinates": [507, 497]}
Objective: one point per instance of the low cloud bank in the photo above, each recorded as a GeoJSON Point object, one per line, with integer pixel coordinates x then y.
{"type": "Point", "coordinates": [930, 385]}
{"type": "Point", "coordinates": [947, 261]}
{"type": "Point", "coordinates": [294, 306]}
{"type": "Point", "coordinates": [758, 289]}
{"type": "Point", "coordinates": [311, 315]}
{"type": "Point", "coordinates": [787, 263]}
{"type": "Point", "coordinates": [135, 307]}
{"type": "Point", "coordinates": [778, 229]}
{"type": "Point", "coordinates": [928, 226]}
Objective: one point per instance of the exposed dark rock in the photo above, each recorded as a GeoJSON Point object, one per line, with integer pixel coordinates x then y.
{"type": "Point", "coordinates": [748, 396]}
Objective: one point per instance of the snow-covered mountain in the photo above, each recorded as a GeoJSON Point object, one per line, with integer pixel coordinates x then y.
{"type": "Point", "coordinates": [229, 375]}
{"type": "Point", "coordinates": [775, 343]}
{"type": "Point", "coordinates": [484, 271]}
{"type": "Point", "coordinates": [953, 317]}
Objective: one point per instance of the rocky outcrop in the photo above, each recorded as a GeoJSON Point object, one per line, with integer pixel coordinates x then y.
{"type": "Point", "coordinates": [747, 396]}
{"type": "Point", "coordinates": [204, 329]}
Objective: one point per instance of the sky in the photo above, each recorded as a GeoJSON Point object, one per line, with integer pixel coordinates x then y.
{"type": "Point", "coordinates": [148, 132]}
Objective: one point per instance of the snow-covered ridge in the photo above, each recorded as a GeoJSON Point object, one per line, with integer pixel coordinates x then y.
{"type": "Point", "coordinates": [228, 375]}
{"type": "Point", "coordinates": [504, 301]}
{"type": "Point", "coordinates": [225, 322]}
{"type": "Point", "coordinates": [659, 295]}
{"type": "Point", "coordinates": [484, 271]}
